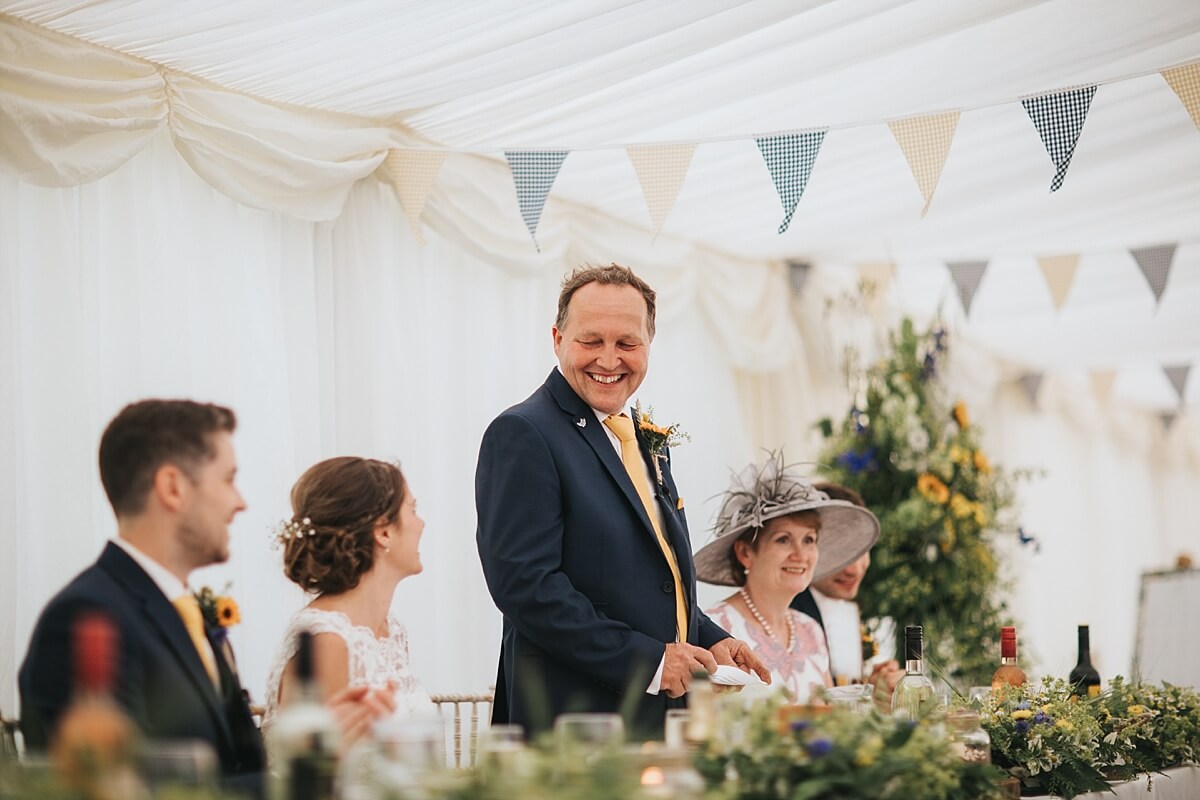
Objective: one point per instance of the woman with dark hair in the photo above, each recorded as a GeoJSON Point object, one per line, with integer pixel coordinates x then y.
{"type": "Point", "coordinates": [353, 536]}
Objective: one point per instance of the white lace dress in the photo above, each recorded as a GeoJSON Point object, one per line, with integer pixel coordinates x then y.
{"type": "Point", "coordinates": [373, 661]}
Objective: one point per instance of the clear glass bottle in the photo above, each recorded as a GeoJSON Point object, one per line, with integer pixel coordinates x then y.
{"type": "Point", "coordinates": [304, 738]}
{"type": "Point", "coordinates": [702, 709]}
{"type": "Point", "coordinates": [968, 738]}
{"type": "Point", "coordinates": [1009, 673]}
{"type": "Point", "coordinates": [914, 696]}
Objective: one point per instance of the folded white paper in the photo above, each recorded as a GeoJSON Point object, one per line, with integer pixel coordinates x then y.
{"type": "Point", "coordinates": [732, 676]}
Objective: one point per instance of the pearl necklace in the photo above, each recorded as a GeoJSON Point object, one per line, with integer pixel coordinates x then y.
{"type": "Point", "coordinates": [763, 622]}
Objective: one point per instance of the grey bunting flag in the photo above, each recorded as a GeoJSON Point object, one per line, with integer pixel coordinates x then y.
{"type": "Point", "coordinates": [1178, 377]}
{"type": "Point", "coordinates": [533, 174]}
{"type": "Point", "coordinates": [1059, 118]}
{"type": "Point", "coordinates": [966, 276]}
{"type": "Point", "coordinates": [1155, 263]}
{"type": "Point", "coordinates": [1031, 382]}
{"type": "Point", "coordinates": [790, 158]}
{"type": "Point", "coordinates": [1167, 418]}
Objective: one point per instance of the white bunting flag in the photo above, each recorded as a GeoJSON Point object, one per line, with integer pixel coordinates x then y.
{"type": "Point", "coordinates": [533, 174]}
{"type": "Point", "coordinates": [413, 173]}
{"type": "Point", "coordinates": [967, 276]}
{"type": "Point", "coordinates": [1185, 82]}
{"type": "Point", "coordinates": [661, 170]}
{"type": "Point", "coordinates": [925, 142]}
{"type": "Point", "coordinates": [1059, 272]}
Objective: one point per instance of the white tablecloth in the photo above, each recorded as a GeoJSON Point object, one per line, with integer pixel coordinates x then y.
{"type": "Point", "coordinates": [1182, 783]}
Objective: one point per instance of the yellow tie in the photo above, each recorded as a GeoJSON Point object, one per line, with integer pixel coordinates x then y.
{"type": "Point", "coordinates": [193, 621]}
{"type": "Point", "coordinates": [631, 457]}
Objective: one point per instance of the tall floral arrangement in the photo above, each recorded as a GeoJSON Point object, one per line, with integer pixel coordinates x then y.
{"type": "Point", "coordinates": [914, 455]}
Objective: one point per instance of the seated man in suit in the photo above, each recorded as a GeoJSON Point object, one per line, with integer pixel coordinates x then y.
{"type": "Point", "coordinates": [831, 602]}
{"type": "Point", "coordinates": [582, 533]}
{"type": "Point", "coordinates": [168, 469]}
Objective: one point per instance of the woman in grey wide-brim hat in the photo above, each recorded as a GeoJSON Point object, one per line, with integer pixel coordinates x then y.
{"type": "Point", "coordinates": [775, 534]}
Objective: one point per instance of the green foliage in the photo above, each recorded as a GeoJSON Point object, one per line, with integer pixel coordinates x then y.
{"type": "Point", "coordinates": [1058, 743]}
{"type": "Point", "coordinates": [916, 460]}
{"type": "Point", "coordinates": [761, 754]}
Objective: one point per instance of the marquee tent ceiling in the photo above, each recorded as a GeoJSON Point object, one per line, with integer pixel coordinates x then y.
{"type": "Point", "coordinates": [592, 77]}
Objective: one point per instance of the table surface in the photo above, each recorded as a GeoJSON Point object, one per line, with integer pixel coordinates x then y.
{"type": "Point", "coordinates": [1181, 783]}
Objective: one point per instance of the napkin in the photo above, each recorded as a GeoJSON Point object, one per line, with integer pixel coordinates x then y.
{"type": "Point", "coordinates": [732, 676]}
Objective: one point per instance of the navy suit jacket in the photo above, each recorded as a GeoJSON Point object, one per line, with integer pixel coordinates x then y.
{"type": "Point", "coordinates": [572, 562]}
{"type": "Point", "coordinates": [160, 681]}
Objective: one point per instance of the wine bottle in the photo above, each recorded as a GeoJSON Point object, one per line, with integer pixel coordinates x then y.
{"type": "Point", "coordinates": [914, 697]}
{"type": "Point", "coordinates": [1009, 673]}
{"type": "Point", "coordinates": [1085, 680]}
{"type": "Point", "coordinates": [303, 740]}
{"type": "Point", "coordinates": [94, 744]}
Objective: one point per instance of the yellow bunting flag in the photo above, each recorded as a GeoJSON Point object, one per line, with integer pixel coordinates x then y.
{"type": "Point", "coordinates": [1059, 272]}
{"type": "Point", "coordinates": [413, 173]}
{"type": "Point", "coordinates": [875, 278]}
{"type": "Point", "coordinates": [1185, 82]}
{"type": "Point", "coordinates": [1102, 384]}
{"type": "Point", "coordinates": [661, 170]}
{"type": "Point", "coordinates": [925, 142]}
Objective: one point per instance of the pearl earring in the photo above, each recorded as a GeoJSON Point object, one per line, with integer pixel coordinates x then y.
{"type": "Point", "coordinates": [387, 549]}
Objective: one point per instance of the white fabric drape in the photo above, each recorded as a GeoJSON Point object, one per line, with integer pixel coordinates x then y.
{"type": "Point", "coordinates": [326, 338]}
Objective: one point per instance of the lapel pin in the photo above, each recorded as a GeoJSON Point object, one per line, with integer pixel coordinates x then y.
{"type": "Point", "coordinates": [581, 422]}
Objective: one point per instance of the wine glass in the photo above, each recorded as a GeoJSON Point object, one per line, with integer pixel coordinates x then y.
{"type": "Point", "coordinates": [501, 749]}
{"type": "Point", "coordinates": [587, 736]}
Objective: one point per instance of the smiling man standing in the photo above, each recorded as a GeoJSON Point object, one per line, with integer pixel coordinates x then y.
{"type": "Point", "coordinates": [583, 539]}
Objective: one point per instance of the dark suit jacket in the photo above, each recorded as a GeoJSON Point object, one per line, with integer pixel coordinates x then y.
{"type": "Point", "coordinates": [160, 680]}
{"type": "Point", "coordinates": [805, 604]}
{"type": "Point", "coordinates": [572, 561]}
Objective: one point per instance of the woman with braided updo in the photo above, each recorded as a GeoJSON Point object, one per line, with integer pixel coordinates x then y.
{"type": "Point", "coordinates": [353, 536]}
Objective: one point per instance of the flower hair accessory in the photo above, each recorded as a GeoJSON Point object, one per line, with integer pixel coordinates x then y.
{"type": "Point", "coordinates": [289, 529]}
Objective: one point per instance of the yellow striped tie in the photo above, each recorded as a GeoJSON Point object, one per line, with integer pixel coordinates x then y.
{"type": "Point", "coordinates": [193, 621]}
{"type": "Point", "coordinates": [631, 457]}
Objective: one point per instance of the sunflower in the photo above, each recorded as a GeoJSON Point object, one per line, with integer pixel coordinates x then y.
{"type": "Point", "coordinates": [960, 414]}
{"type": "Point", "coordinates": [932, 489]}
{"type": "Point", "coordinates": [982, 464]}
{"type": "Point", "coordinates": [228, 612]}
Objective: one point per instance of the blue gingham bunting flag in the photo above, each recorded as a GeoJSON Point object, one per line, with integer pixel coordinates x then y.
{"type": "Point", "coordinates": [1178, 377]}
{"type": "Point", "coordinates": [966, 276]}
{"type": "Point", "coordinates": [1155, 263]}
{"type": "Point", "coordinates": [1059, 118]}
{"type": "Point", "coordinates": [1031, 382]}
{"type": "Point", "coordinates": [790, 158]}
{"type": "Point", "coordinates": [533, 174]}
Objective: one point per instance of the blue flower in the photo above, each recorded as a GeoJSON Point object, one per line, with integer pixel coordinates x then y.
{"type": "Point", "coordinates": [858, 462]}
{"type": "Point", "coordinates": [1024, 704]}
{"type": "Point", "coordinates": [929, 367]}
{"type": "Point", "coordinates": [1022, 726]}
{"type": "Point", "coordinates": [1041, 717]}
{"type": "Point", "coordinates": [818, 748]}
{"type": "Point", "coordinates": [800, 725]}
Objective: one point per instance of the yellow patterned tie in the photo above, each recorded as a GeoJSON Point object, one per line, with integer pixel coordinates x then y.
{"type": "Point", "coordinates": [193, 620]}
{"type": "Point", "coordinates": [631, 457]}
